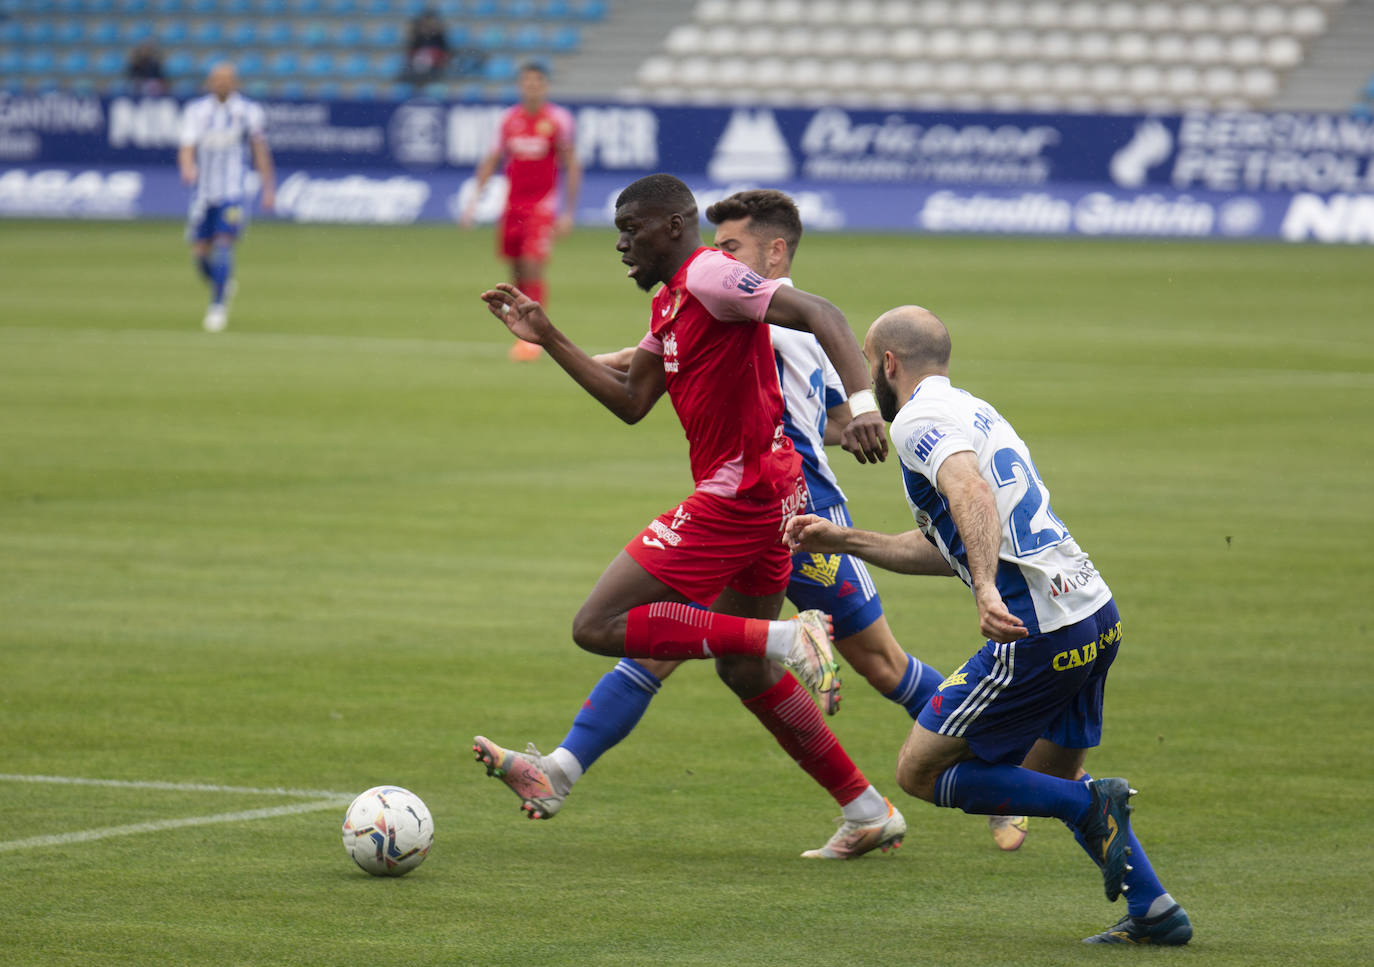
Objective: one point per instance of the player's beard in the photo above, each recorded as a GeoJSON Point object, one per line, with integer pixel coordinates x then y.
{"type": "Point", "coordinates": [886, 395]}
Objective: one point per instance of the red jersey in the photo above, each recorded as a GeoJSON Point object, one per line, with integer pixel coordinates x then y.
{"type": "Point", "coordinates": [531, 143]}
{"type": "Point", "coordinates": [719, 370]}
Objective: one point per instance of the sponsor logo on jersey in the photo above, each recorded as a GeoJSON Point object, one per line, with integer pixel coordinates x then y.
{"type": "Point", "coordinates": [822, 569]}
{"type": "Point", "coordinates": [680, 517]}
{"type": "Point", "coordinates": [750, 282]}
{"type": "Point", "coordinates": [665, 533]}
{"type": "Point", "coordinates": [670, 361]}
{"type": "Point", "coordinates": [1059, 584]}
{"type": "Point", "coordinates": [926, 444]}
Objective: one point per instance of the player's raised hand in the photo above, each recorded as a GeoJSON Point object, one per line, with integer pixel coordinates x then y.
{"type": "Point", "coordinates": [807, 532]}
{"type": "Point", "coordinates": [524, 317]}
{"type": "Point", "coordinates": [866, 437]}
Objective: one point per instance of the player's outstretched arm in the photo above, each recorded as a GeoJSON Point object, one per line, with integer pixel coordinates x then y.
{"type": "Point", "coordinates": [974, 510]}
{"type": "Point", "coordinates": [864, 435]}
{"type": "Point", "coordinates": [629, 395]}
{"type": "Point", "coordinates": [908, 553]}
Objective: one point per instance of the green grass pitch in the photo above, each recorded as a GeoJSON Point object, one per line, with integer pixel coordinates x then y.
{"type": "Point", "coordinates": [324, 549]}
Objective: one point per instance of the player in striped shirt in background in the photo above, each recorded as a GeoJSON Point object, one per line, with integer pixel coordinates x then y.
{"type": "Point", "coordinates": [218, 131]}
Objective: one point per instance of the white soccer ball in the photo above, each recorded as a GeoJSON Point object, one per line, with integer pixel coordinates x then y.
{"type": "Point", "coordinates": [388, 831]}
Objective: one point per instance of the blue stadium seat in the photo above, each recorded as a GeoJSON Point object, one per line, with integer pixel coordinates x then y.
{"type": "Point", "coordinates": [204, 6]}
{"type": "Point", "coordinates": [133, 6]}
{"type": "Point", "coordinates": [565, 39]}
{"type": "Point", "coordinates": [99, 6]}
{"type": "Point", "coordinates": [206, 59]}
{"type": "Point", "coordinates": [273, 7]}
{"type": "Point", "coordinates": [236, 8]}
{"type": "Point", "coordinates": [136, 31]}
{"type": "Point", "coordinates": [171, 32]}
{"type": "Point", "coordinates": [313, 35]}
{"type": "Point", "coordinates": [69, 31]}
{"type": "Point", "coordinates": [243, 34]}
{"type": "Point", "coordinates": [169, 6]}
{"type": "Point", "coordinates": [318, 64]}
{"type": "Point", "coordinates": [491, 37]}
{"type": "Point", "coordinates": [10, 63]}
{"type": "Point", "coordinates": [364, 92]}
{"type": "Point", "coordinates": [61, 6]}
{"type": "Point", "coordinates": [348, 34]}
{"type": "Point", "coordinates": [354, 64]}
{"type": "Point", "coordinates": [207, 32]}
{"type": "Point", "coordinates": [483, 9]}
{"type": "Point", "coordinates": [109, 62]}
{"type": "Point", "coordinates": [38, 61]}
{"type": "Point", "coordinates": [249, 62]}
{"type": "Point", "coordinates": [389, 65]}
{"type": "Point", "coordinates": [519, 9]}
{"type": "Point", "coordinates": [377, 8]}
{"type": "Point", "coordinates": [472, 92]}
{"type": "Point", "coordinates": [450, 9]}
{"type": "Point", "coordinates": [500, 69]}
{"type": "Point", "coordinates": [39, 32]}
{"type": "Point", "coordinates": [342, 7]}
{"type": "Point", "coordinates": [306, 6]}
{"type": "Point", "coordinates": [258, 88]}
{"type": "Point", "coordinates": [589, 9]}
{"type": "Point", "coordinates": [384, 34]}
{"type": "Point", "coordinates": [291, 90]}
{"type": "Point", "coordinates": [555, 9]}
{"type": "Point", "coordinates": [284, 63]}
{"type": "Point", "coordinates": [74, 61]}
{"type": "Point", "coordinates": [103, 32]}
{"type": "Point", "coordinates": [326, 91]}
{"type": "Point", "coordinates": [178, 64]}
{"type": "Point", "coordinates": [459, 36]}
{"type": "Point", "coordinates": [398, 91]}
{"type": "Point", "coordinates": [527, 38]}
{"type": "Point", "coordinates": [276, 33]}
{"type": "Point", "coordinates": [10, 33]}
{"type": "Point", "coordinates": [413, 8]}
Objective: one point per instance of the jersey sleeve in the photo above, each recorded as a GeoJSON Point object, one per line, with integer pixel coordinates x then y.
{"type": "Point", "coordinates": [565, 132]}
{"type": "Point", "coordinates": [927, 436]}
{"type": "Point", "coordinates": [834, 387]}
{"type": "Point", "coordinates": [729, 289]}
{"type": "Point", "coordinates": [651, 343]}
{"type": "Point", "coordinates": [255, 120]}
{"type": "Point", "coordinates": [190, 125]}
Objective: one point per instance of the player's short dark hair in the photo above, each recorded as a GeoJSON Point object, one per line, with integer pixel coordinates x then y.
{"type": "Point", "coordinates": [662, 191]}
{"type": "Point", "coordinates": [538, 66]}
{"type": "Point", "coordinates": [767, 209]}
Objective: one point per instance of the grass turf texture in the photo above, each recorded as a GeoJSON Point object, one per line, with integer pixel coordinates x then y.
{"type": "Point", "coordinates": [325, 548]}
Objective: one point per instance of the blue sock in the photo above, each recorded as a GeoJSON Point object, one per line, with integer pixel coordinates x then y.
{"type": "Point", "coordinates": [1143, 886]}
{"type": "Point", "coordinates": [917, 685]}
{"type": "Point", "coordinates": [980, 787]}
{"type": "Point", "coordinates": [611, 711]}
{"type": "Point", "coordinates": [221, 268]}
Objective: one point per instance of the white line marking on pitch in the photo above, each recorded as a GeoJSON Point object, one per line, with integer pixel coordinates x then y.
{"type": "Point", "coordinates": [86, 835]}
{"type": "Point", "coordinates": [331, 800]}
{"type": "Point", "coordinates": [171, 786]}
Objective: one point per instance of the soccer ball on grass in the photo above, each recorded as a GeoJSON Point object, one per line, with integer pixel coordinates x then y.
{"type": "Point", "coordinates": [388, 831]}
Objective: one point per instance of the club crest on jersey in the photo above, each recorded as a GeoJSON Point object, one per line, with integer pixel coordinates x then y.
{"type": "Point", "coordinates": [671, 307]}
{"type": "Point", "coordinates": [822, 569]}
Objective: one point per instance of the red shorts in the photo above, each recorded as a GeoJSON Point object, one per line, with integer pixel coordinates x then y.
{"type": "Point", "coordinates": [527, 233]}
{"type": "Point", "coordinates": [709, 543]}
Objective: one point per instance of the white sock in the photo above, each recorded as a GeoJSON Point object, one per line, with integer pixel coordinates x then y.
{"type": "Point", "coordinates": [1162, 903]}
{"type": "Point", "coordinates": [781, 636]}
{"type": "Point", "coordinates": [563, 769]}
{"type": "Point", "coordinates": [870, 805]}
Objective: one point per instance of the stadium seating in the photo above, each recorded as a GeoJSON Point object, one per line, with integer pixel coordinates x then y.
{"type": "Point", "coordinates": [1005, 54]}
{"type": "Point", "coordinates": [314, 48]}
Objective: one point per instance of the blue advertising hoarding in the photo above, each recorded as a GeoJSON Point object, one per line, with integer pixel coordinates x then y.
{"type": "Point", "coordinates": [1300, 177]}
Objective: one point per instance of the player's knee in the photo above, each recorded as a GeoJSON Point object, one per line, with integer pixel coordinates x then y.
{"type": "Point", "coordinates": [593, 631]}
{"type": "Point", "coordinates": [915, 778]}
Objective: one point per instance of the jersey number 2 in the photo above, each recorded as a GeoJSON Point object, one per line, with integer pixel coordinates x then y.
{"type": "Point", "coordinates": [1005, 464]}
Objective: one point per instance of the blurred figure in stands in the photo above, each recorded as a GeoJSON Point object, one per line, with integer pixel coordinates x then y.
{"type": "Point", "coordinates": [144, 70]}
{"type": "Point", "coordinates": [427, 52]}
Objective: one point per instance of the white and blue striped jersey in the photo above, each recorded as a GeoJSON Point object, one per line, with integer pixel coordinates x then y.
{"type": "Point", "coordinates": [220, 131]}
{"type": "Point", "coordinates": [1044, 578]}
{"type": "Point", "coordinates": [810, 386]}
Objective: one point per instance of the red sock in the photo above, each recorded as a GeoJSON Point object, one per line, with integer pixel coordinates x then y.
{"type": "Point", "coordinates": [535, 289]}
{"type": "Point", "coordinates": [788, 712]}
{"type": "Point", "coordinates": [668, 630]}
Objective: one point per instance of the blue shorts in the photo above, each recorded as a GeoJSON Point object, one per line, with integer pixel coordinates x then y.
{"type": "Point", "coordinates": [1048, 686]}
{"type": "Point", "coordinates": [837, 584]}
{"type": "Point", "coordinates": [204, 222]}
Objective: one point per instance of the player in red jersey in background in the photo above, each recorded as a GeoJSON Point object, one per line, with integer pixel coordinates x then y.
{"type": "Point", "coordinates": [536, 138]}
{"type": "Point", "coordinates": [708, 348]}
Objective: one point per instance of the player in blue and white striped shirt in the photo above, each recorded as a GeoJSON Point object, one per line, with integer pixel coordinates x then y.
{"type": "Point", "coordinates": [218, 131]}
{"type": "Point", "coordinates": [1009, 731]}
